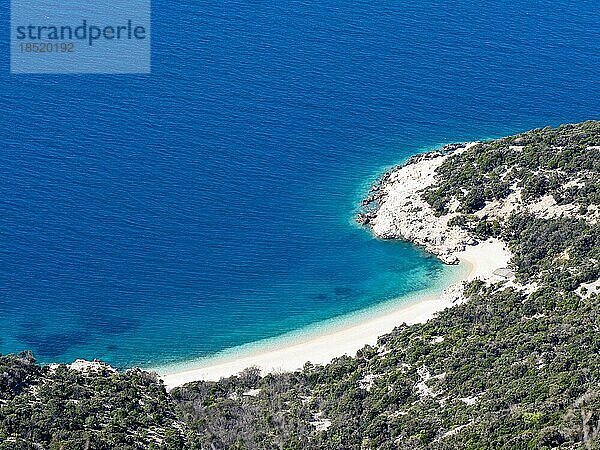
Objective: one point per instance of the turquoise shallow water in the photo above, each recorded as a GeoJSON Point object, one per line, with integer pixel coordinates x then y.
{"type": "Point", "coordinates": [359, 319]}
{"type": "Point", "coordinates": [152, 219]}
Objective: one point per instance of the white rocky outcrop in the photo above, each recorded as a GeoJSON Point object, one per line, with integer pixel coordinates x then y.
{"type": "Point", "coordinates": [81, 365]}
{"type": "Point", "coordinates": [403, 214]}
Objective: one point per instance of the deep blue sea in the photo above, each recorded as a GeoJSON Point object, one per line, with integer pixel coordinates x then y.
{"type": "Point", "coordinates": [153, 218]}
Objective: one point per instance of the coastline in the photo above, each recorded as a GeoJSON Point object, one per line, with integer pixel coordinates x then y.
{"type": "Point", "coordinates": [400, 213]}
{"type": "Point", "coordinates": [323, 345]}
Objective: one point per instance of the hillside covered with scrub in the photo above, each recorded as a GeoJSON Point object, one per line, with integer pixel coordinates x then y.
{"type": "Point", "coordinates": [515, 365]}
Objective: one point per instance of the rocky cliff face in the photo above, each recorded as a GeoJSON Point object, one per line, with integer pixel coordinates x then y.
{"type": "Point", "coordinates": [395, 208]}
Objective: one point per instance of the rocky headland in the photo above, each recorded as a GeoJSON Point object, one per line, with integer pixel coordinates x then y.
{"type": "Point", "coordinates": [396, 209]}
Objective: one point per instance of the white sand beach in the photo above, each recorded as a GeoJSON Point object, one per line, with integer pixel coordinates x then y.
{"type": "Point", "coordinates": [480, 262]}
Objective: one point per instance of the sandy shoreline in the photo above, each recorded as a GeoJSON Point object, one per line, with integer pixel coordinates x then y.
{"type": "Point", "coordinates": [478, 261]}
